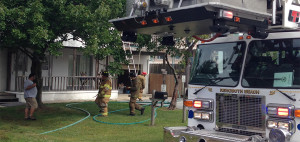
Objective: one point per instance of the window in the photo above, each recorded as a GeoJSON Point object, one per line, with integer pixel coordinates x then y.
{"type": "Point", "coordinates": [84, 65]}
{"type": "Point", "coordinates": [21, 61]}
{"type": "Point", "coordinates": [218, 64]}
{"type": "Point", "coordinates": [273, 64]}
{"type": "Point", "coordinates": [177, 57]}
{"type": "Point", "coordinates": [45, 65]}
{"type": "Point", "coordinates": [160, 57]}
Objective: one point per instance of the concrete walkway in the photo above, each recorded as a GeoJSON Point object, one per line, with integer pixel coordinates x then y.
{"type": "Point", "coordinates": [8, 104]}
{"type": "Point", "coordinates": [121, 98]}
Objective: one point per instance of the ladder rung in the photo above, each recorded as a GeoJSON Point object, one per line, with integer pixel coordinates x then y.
{"type": "Point", "coordinates": [131, 60]}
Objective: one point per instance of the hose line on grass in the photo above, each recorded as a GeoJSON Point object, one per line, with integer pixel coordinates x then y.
{"type": "Point", "coordinates": [70, 106]}
{"type": "Point", "coordinates": [94, 118]}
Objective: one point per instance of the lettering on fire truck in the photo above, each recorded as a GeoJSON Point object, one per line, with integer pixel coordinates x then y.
{"type": "Point", "coordinates": [294, 16]}
{"type": "Point", "coordinates": [242, 91]}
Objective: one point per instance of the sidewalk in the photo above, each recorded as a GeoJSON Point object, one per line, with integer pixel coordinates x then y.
{"type": "Point", "coordinates": [8, 104]}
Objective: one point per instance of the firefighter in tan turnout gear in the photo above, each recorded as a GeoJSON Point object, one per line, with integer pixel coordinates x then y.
{"type": "Point", "coordinates": [141, 81]}
{"type": "Point", "coordinates": [135, 91]}
{"type": "Point", "coordinates": [104, 94]}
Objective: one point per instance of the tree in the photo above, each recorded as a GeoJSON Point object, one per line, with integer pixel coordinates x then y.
{"type": "Point", "coordinates": [153, 44]}
{"type": "Point", "coordinates": [38, 27]}
{"type": "Point", "coordinates": [183, 47]}
{"type": "Point", "coordinates": [105, 40]}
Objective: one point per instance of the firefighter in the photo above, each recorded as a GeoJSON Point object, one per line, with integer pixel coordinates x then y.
{"type": "Point", "coordinates": [135, 91]}
{"type": "Point", "coordinates": [141, 80]}
{"type": "Point", "coordinates": [104, 94]}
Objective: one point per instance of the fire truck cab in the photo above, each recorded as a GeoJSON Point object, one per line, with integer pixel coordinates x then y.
{"type": "Point", "coordinates": [244, 87]}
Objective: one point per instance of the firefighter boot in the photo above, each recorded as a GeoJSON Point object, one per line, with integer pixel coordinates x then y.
{"type": "Point", "coordinates": [142, 111]}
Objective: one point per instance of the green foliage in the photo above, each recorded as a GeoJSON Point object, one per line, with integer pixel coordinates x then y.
{"type": "Point", "coordinates": [101, 39]}
{"type": "Point", "coordinates": [40, 26]}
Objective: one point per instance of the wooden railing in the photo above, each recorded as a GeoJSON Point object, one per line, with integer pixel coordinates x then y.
{"type": "Point", "coordinates": [62, 83]}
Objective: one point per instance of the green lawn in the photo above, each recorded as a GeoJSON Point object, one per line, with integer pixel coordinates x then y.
{"type": "Point", "coordinates": [13, 127]}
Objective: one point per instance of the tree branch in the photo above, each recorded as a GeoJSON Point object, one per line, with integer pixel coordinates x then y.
{"type": "Point", "coordinates": [44, 49]}
{"type": "Point", "coordinates": [29, 54]}
{"type": "Point", "coordinates": [174, 73]}
{"type": "Point", "coordinates": [192, 45]}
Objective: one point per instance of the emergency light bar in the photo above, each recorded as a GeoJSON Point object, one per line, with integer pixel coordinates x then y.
{"type": "Point", "coordinates": [197, 104]}
{"type": "Point", "coordinates": [200, 103]}
{"type": "Point", "coordinates": [281, 111]}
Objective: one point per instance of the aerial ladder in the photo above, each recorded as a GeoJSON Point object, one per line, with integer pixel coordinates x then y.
{"type": "Point", "coordinates": [129, 58]}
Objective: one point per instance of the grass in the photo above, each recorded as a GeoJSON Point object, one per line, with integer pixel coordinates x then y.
{"type": "Point", "coordinates": [13, 127]}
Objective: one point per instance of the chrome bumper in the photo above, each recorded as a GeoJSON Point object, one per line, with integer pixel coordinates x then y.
{"type": "Point", "coordinates": [173, 134]}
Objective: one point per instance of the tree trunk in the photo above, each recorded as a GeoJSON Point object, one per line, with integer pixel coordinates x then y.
{"type": "Point", "coordinates": [36, 68]}
{"type": "Point", "coordinates": [96, 67]}
{"type": "Point", "coordinates": [187, 64]}
{"type": "Point", "coordinates": [8, 74]}
{"type": "Point", "coordinates": [187, 77]}
{"type": "Point", "coordinates": [175, 92]}
{"type": "Point", "coordinates": [96, 73]}
{"type": "Point", "coordinates": [106, 64]}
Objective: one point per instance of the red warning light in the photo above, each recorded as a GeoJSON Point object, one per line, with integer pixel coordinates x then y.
{"type": "Point", "coordinates": [168, 19]}
{"type": "Point", "coordinates": [283, 111]}
{"type": "Point", "coordinates": [155, 21]}
{"type": "Point", "coordinates": [237, 19]}
{"type": "Point", "coordinates": [197, 104]}
{"type": "Point", "coordinates": [143, 22]}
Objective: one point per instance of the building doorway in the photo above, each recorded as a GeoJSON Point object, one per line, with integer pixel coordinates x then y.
{"type": "Point", "coordinates": [124, 81]}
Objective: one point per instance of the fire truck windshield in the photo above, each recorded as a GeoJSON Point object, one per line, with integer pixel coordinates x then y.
{"type": "Point", "coordinates": [273, 64]}
{"type": "Point", "coordinates": [218, 61]}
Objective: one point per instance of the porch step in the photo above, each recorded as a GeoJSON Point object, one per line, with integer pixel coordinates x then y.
{"type": "Point", "coordinates": [8, 97]}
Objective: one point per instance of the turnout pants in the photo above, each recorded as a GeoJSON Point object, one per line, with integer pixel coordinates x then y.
{"type": "Point", "coordinates": [140, 96]}
{"type": "Point", "coordinates": [133, 105]}
{"type": "Point", "coordinates": [102, 103]}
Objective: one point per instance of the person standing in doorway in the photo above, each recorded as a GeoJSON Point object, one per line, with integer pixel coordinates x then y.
{"type": "Point", "coordinates": [30, 92]}
{"type": "Point", "coordinates": [141, 80]}
{"type": "Point", "coordinates": [104, 94]}
{"type": "Point", "coordinates": [134, 90]}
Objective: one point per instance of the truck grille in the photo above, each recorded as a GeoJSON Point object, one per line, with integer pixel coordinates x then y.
{"type": "Point", "coordinates": [240, 132]}
{"type": "Point", "coordinates": [240, 114]}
